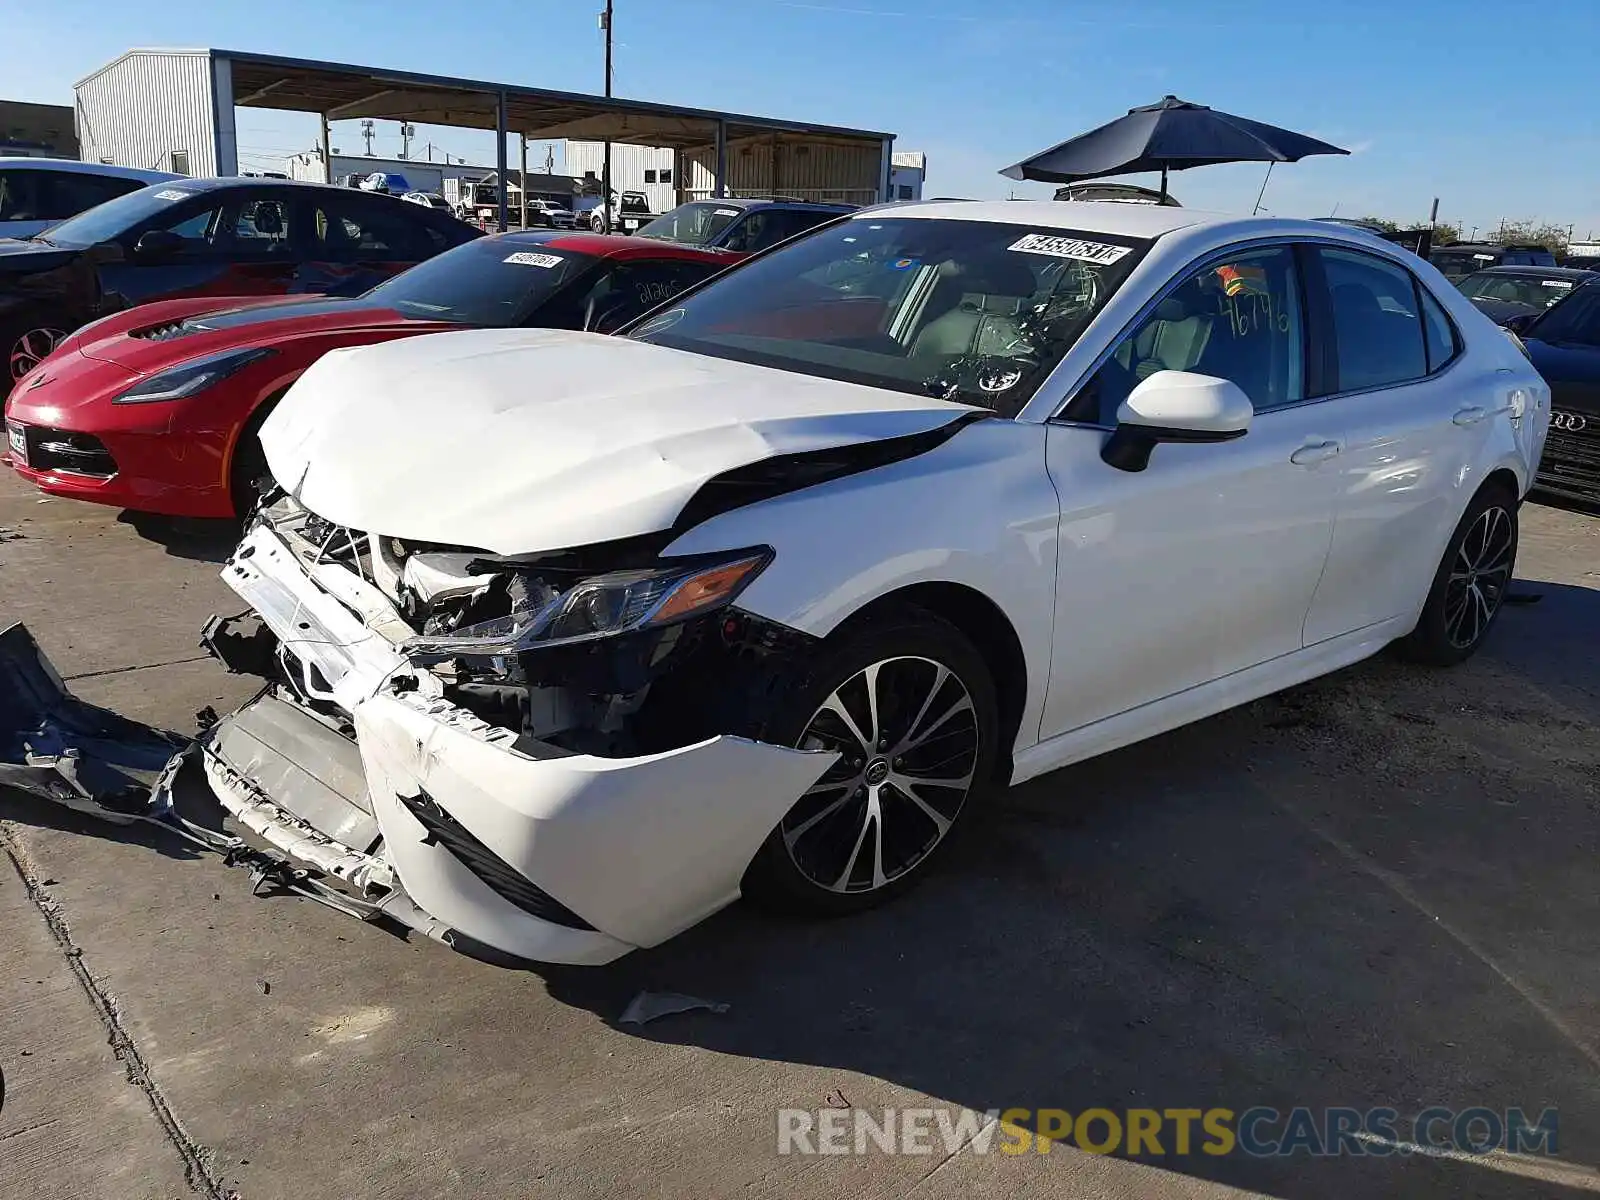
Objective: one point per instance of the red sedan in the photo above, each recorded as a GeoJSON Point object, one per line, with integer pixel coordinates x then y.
{"type": "Point", "coordinates": [156, 409]}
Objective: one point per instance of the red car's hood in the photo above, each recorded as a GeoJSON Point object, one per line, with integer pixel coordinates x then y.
{"type": "Point", "coordinates": [155, 336]}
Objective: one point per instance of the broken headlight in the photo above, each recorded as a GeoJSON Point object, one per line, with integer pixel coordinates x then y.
{"type": "Point", "coordinates": [605, 606]}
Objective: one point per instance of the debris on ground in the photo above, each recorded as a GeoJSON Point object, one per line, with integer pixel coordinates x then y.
{"type": "Point", "coordinates": [10, 535]}
{"type": "Point", "coordinates": [649, 1006]}
{"type": "Point", "coordinates": [837, 1099]}
{"type": "Point", "coordinates": [56, 746]}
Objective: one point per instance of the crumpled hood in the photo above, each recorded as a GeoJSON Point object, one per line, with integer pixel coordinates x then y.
{"type": "Point", "coordinates": [517, 441]}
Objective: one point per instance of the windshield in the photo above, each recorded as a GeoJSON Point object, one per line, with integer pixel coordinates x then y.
{"type": "Point", "coordinates": [110, 220]}
{"type": "Point", "coordinates": [1532, 290]}
{"type": "Point", "coordinates": [485, 282]}
{"type": "Point", "coordinates": [1575, 319]}
{"type": "Point", "coordinates": [693, 224]}
{"type": "Point", "coordinates": [964, 310]}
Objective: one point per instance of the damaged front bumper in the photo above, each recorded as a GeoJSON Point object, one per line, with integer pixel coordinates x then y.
{"type": "Point", "coordinates": [457, 827]}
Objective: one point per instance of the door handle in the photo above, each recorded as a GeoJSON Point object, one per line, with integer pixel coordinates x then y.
{"type": "Point", "coordinates": [1470, 415]}
{"type": "Point", "coordinates": [1314, 452]}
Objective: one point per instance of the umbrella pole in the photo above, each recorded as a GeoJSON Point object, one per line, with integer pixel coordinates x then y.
{"type": "Point", "coordinates": [1263, 191]}
{"type": "Point", "coordinates": [1163, 183]}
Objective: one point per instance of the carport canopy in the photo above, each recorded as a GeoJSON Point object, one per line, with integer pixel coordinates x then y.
{"type": "Point", "coordinates": [340, 92]}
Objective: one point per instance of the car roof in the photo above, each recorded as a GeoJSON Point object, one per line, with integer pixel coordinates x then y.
{"type": "Point", "coordinates": [250, 181]}
{"type": "Point", "coordinates": [1092, 216]}
{"type": "Point", "coordinates": [771, 201]}
{"type": "Point", "coordinates": [1532, 269]}
{"type": "Point", "coordinates": [613, 245]}
{"type": "Point", "coordinates": [73, 166]}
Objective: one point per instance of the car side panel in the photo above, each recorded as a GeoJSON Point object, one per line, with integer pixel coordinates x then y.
{"type": "Point", "coordinates": [978, 511]}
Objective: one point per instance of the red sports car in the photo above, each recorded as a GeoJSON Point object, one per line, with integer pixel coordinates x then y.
{"type": "Point", "coordinates": [156, 409]}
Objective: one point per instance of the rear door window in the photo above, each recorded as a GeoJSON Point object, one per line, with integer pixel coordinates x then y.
{"type": "Point", "coordinates": [1378, 334]}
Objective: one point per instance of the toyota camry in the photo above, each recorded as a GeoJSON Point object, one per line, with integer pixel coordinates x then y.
{"type": "Point", "coordinates": [573, 640]}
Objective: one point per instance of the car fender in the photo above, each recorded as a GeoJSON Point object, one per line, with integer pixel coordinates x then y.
{"type": "Point", "coordinates": [977, 510]}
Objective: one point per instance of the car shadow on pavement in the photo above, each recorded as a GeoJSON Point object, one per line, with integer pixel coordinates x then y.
{"type": "Point", "coordinates": [1375, 890]}
{"type": "Point", "coordinates": [199, 539]}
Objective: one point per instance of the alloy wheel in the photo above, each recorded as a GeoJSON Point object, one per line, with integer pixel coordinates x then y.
{"type": "Point", "coordinates": [907, 735]}
{"type": "Point", "coordinates": [32, 348]}
{"type": "Point", "coordinates": [1478, 577]}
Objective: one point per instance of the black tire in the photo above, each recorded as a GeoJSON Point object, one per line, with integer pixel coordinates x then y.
{"type": "Point", "coordinates": [1470, 585]}
{"type": "Point", "coordinates": [249, 460]}
{"type": "Point", "coordinates": [860, 819]}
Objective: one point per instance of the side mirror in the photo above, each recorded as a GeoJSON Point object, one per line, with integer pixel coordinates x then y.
{"type": "Point", "coordinates": [1521, 323]}
{"type": "Point", "coordinates": [157, 244]}
{"type": "Point", "coordinates": [1175, 406]}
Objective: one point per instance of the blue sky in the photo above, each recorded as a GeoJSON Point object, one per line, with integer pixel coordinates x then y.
{"type": "Point", "coordinates": [1422, 92]}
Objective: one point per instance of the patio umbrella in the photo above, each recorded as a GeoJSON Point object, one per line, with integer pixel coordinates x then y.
{"type": "Point", "coordinates": [1172, 135]}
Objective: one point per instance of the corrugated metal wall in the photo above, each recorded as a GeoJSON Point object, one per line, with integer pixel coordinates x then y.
{"type": "Point", "coordinates": [807, 171]}
{"type": "Point", "coordinates": [628, 167]}
{"type": "Point", "coordinates": [144, 106]}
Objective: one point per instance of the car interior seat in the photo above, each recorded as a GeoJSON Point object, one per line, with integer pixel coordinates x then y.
{"type": "Point", "coordinates": [978, 308]}
{"type": "Point", "coordinates": [1174, 339]}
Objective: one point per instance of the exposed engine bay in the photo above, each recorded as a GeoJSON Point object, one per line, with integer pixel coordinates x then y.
{"type": "Point", "coordinates": [566, 648]}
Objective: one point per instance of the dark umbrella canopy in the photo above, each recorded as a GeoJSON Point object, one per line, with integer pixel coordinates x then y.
{"type": "Point", "coordinates": [1170, 136]}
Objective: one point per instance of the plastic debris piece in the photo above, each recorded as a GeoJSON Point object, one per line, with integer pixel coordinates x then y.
{"type": "Point", "coordinates": [650, 1006]}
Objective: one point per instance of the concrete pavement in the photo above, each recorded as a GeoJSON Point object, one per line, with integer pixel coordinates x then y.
{"type": "Point", "coordinates": [1378, 889]}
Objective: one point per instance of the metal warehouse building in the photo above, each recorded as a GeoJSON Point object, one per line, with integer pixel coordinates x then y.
{"type": "Point", "coordinates": [174, 110]}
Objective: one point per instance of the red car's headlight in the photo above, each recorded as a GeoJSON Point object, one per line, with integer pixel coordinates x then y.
{"type": "Point", "coordinates": [195, 376]}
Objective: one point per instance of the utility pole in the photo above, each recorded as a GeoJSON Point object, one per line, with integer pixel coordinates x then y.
{"type": "Point", "coordinates": [605, 173]}
{"type": "Point", "coordinates": [407, 132]}
{"type": "Point", "coordinates": [366, 132]}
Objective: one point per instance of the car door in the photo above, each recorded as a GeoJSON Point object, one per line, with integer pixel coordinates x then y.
{"type": "Point", "coordinates": [1205, 562]}
{"type": "Point", "coordinates": [1416, 415]}
{"type": "Point", "coordinates": [225, 242]}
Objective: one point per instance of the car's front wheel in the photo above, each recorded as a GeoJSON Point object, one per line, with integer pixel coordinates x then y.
{"type": "Point", "coordinates": [1470, 584]}
{"type": "Point", "coordinates": [909, 705]}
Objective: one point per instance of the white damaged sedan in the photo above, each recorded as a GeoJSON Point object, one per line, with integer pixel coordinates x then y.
{"type": "Point", "coordinates": [572, 640]}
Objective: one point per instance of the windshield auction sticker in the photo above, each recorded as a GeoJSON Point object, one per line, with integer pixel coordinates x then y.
{"type": "Point", "coordinates": [1065, 247]}
{"type": "Point", "coordinates": [527, 258]}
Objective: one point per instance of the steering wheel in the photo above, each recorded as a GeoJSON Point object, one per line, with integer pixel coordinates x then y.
{"type": "Point", "coordinates": [983, 379]}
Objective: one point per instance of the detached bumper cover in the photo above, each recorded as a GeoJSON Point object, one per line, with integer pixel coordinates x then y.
{"type": "Point", "coordinates": [55, 746]}
{"type": "Point", "coordinates": [627, 852]}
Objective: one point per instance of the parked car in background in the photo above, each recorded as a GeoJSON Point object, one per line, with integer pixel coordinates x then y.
{"type": "Point", "coordinates": [766, 594]}
{"type": "Point", "coordinates": [427, 200]}
{"type": "Point", "coordinates": [630, 211]}
{"type": "Point", "coordinates": [550, 215]}
{"type": "Point", "coordinates": [205, 237]}
{"type": "Point", "coordinates": [36, 193]}
{"type": "Point", "coordinates": [742, 225]}
{"type": "Point", "coordinates": [1460, 259]}
{"type": "Point", "coordinates": [1585, 255]}
{"type": "Point", "coordinates": [386, 182]}
{"type": "Point", "coordinates": [1501, 293]}
{"type": "Point", "coordinates": [157, 409]}
{"type": "Point", "coordinates": [1564, 344]}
